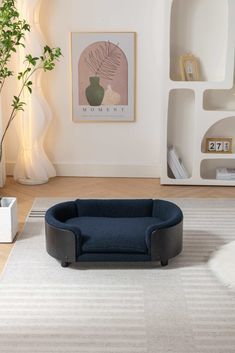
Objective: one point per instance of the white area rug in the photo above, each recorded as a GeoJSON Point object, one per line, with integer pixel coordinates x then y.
{"type": "Point", "coordinates": [120, 308]}
{"type": "Point", "coordinates": [222, 263]}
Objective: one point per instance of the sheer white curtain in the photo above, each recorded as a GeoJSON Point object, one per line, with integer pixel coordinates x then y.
{"type": "Point", "coordinates": [2, 164]}
{"type": "Point", "coordinates": [33, 165]}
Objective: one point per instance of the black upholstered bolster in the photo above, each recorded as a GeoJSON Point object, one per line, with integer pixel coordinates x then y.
{"type": "Point", "coordinates": [171, 222]}
{"type": "Point", "coordinates": [169, 216]}
{"type": "Point", "coordinates": [167, 242]}
{"type": "Point", "coordinates": [61, 243]}
{"type": "Point", "coordinates": [153, 228]}
{"type": "Point", "coordinates": [58, 214]}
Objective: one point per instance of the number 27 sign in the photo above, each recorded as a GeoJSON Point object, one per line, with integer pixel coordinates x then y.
{"type": "Point", "coordinates": [219, 145]}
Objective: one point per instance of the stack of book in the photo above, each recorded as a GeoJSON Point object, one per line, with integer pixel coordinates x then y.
{"type": "Point", "coordinates": [175, 164]}
{"type": "Point", "coordinates": [225, 173]}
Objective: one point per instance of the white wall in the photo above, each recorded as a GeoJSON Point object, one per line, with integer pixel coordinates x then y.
{"type": "Point", "coordinates": [104, 149]}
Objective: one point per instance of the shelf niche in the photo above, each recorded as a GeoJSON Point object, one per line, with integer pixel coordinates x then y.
{"type": "Point", "coordinates": [226, 125]}
{"type": "Point", "coordinates": [206, 37]}
{"type": "Point", "coordinates": [208, 167]}
{"type": "Point", "coordinates": [180, 121]}
{"type": "Point", "coordinates": [218, 99]}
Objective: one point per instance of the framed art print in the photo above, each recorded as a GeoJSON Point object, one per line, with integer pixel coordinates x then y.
{"type": "Point", "coordinates": [103, 76]}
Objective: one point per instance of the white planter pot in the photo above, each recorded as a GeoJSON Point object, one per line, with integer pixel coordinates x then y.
{"type": "Point", "coordinates": [8, 219]}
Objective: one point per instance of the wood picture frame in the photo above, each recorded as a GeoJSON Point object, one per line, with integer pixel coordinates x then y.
{"type": "Point", "coordinates": [219, 145]}
{"type": "Point", "coordinates": [189, 68]}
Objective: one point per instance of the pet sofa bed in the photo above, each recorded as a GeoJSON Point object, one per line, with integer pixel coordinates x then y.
{"type": "Point", "coordinates": [114, 230]}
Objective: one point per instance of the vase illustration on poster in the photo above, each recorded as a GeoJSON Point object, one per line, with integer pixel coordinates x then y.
{"type": "Point", "coordinates": [111, 97]}
{"type": "Point", "coordinates": [104, 63]}
{"type": "Point", "coordinates": [95, 92]}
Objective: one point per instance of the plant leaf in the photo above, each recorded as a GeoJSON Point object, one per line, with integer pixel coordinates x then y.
{"type": "Point", "coordinates": [105, 60]}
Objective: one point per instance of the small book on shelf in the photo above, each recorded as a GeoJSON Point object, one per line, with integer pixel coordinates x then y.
{"type": "Point", "coordinates": [175, 164]}
{"type": "Point", "coordinates": [225, 173]}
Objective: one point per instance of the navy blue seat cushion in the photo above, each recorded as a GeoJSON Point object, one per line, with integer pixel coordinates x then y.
{"type": "Point", "coordinates": [113, 235]}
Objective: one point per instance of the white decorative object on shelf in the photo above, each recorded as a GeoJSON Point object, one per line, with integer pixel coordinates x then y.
{"type": "Point", "coordinates": [8, 219]}
{"type": "Point", "coordinates": [176, 165]}
{"type": "Point", "coordinates": [33, 166]}
{"type": "Point", "coordinates": [186, 121]}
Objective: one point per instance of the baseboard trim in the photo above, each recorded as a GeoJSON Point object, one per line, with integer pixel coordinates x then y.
{"type": "Point", "coordinates": [101, 170]}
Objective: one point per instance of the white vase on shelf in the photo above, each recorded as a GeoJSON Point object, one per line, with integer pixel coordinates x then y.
{"type": "Point", "coordinates": [33, 166]}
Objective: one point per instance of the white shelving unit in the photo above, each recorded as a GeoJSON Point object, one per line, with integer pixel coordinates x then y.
{"type": "Point", "coordinates": [195, 110]}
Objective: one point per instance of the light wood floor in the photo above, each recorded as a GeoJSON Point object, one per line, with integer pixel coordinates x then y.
{"type": "Point", "coordinates": [99, 187]}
